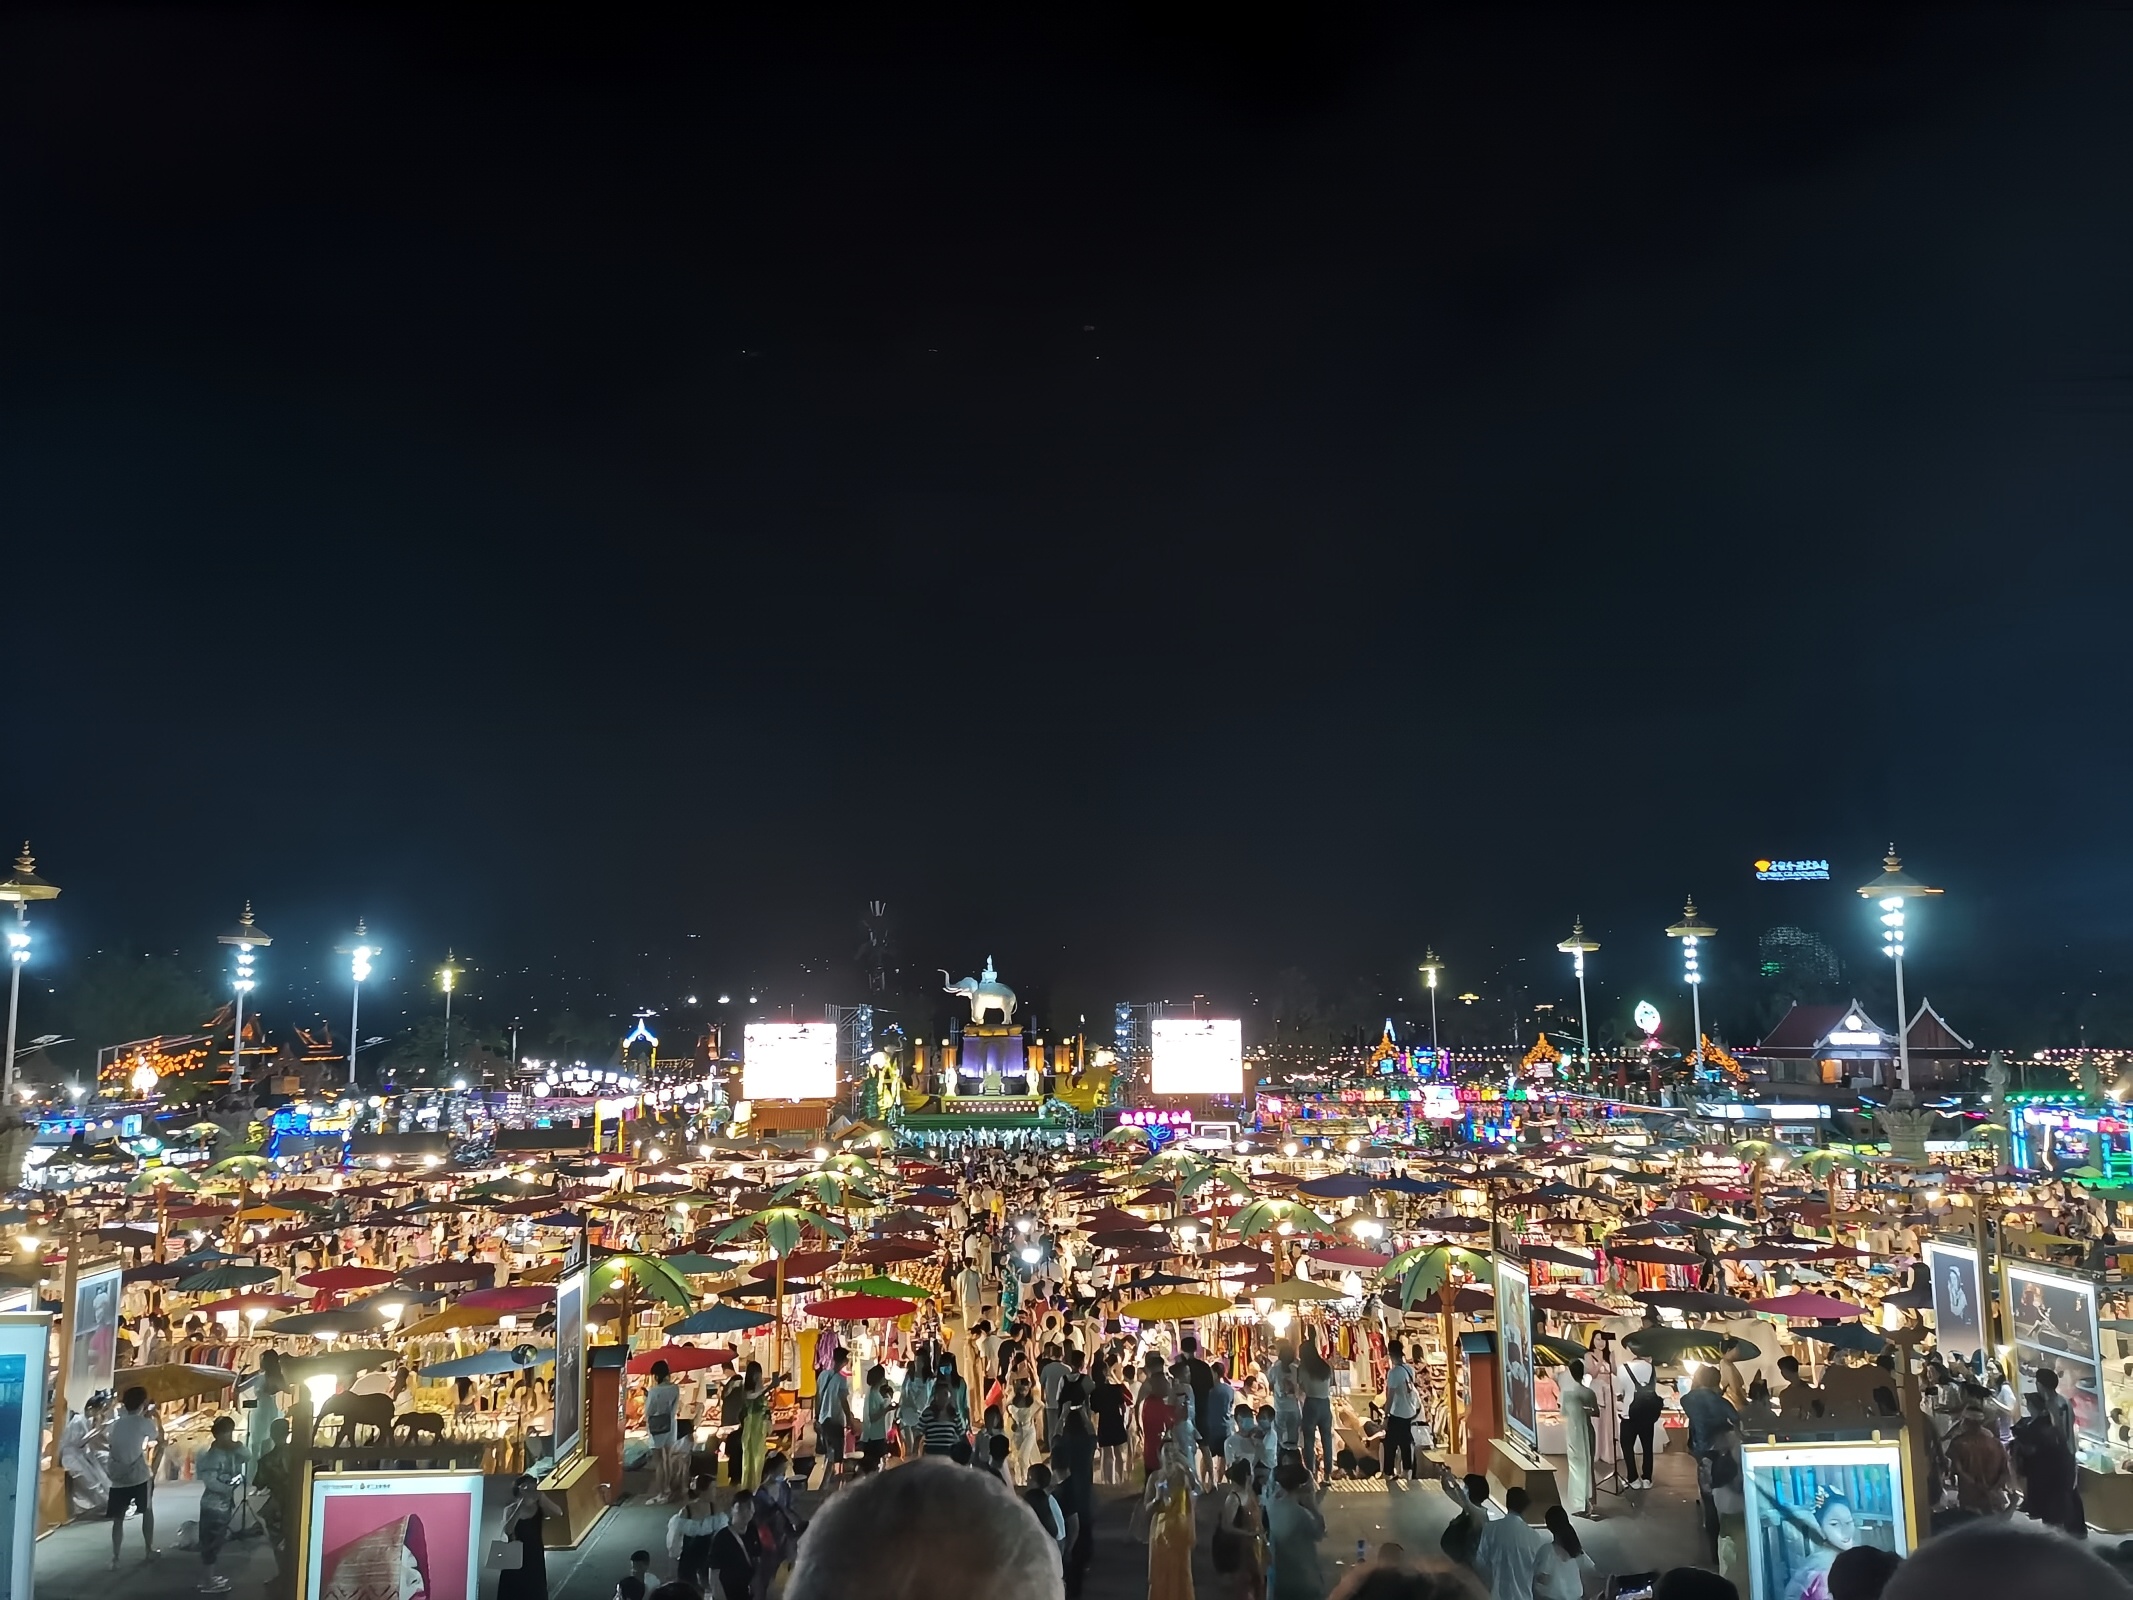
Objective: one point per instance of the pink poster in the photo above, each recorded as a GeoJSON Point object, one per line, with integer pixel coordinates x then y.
{"type": "Point", "coordinates": [394, 1536]}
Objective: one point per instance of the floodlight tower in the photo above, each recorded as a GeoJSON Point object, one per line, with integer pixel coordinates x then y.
{"type": "Point", "coordinates": [1432, 969]}
{"type": "Point", "coordinates": [359, 951]}
{"type": "Point", "coordinates": [244, 938]}
{"type": "Point", "coordinates": [1692, 930]}
{"type": "Point", "coordinates": [1577, 946]}
{"type": "Point", "coordinates": [1890, 891]}
{"type": "Point", "coordinates": [22, 886]}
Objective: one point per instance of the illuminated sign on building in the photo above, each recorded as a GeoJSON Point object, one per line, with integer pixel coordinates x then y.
{"type": "Point", "coordinates": [1791, 871]}
{"type": "Point", "coordinates": [1647, 1016]}
{"type": "Point", "coordinates": [1154, 1117]}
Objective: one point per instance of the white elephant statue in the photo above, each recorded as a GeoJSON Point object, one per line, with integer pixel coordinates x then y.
{"type": "Point", "coordinates": [985, 993]}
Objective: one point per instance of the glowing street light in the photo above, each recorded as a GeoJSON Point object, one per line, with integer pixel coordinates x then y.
{"type": "Point", "coordinates": [448, 975]}
{"type": "Point", "coordinates": [22, 886]}
{"type": "Point", "coordinates": [1889, 892]}
{"type": "Point", "coordinates": [359, 952]}
{"type": "Point", "coordinates": [1432, 968]}
{"type": "Point", "coordinates": [245, 938]}
{"type": "Point", "coordinates": [1577, 946]}
{"type": "Point", "coordinates": [1692, 931]}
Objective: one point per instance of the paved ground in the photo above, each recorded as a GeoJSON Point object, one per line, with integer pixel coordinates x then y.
{"type": "Point", "coordinates": [1633, 1533]}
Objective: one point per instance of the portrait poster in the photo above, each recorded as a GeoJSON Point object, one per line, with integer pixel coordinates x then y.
{"type": "Point", "coordinates": [569, 1365]}
{"type": "Point", "coordinates": [92, 1334]}
{"type": "Point", "coordinates": [1958, 1310]}
{"type": "Point", "coordinates": [25, 1346]}
{"type": "Point", "coordinates": [1514, 1337]}
{"type": "Point", "coordinates": [1807, 1503]}
{"type": "Point", "coordinates": [2053, 1318]}
{"type": "Point", "coordinates": [393, 1536]}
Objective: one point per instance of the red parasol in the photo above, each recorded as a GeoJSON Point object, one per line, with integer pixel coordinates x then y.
{"type": "Point", "coordinates": [678, 1357]}
{"type": "Point", "coordinates": [510, 1299]}
{"type": "Point", "coordinates": [1807, 1305]}
{"type": "Point", "coordinates": [432, 1273]}
{"type": "Point", "coordinates": [253, 1302]}
{"type": "Point", "coordinates": [855, 1307]}
{"type": "Point", "coordinates": [338, 1280]}
{"type": "Point", "coordinates": [1657, 1255]}
{"type": "Point", "coordinates": [887, 1252]}
{"type": "Point", "coordinates": [1111, 1217]}
{"type": "Point", "coordinates": [1350, 1255]}
{"type": "Point", "coordinates": [1246, 1255]}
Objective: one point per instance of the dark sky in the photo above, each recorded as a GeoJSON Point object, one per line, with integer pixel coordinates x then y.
{"type": "Point", "coordinates": [1158, 501]}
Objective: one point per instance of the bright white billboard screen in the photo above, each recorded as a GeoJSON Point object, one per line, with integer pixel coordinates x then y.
{"type": "Point", "coordinates": [1198, 1055]}
{"type": "Point", "coordinates": [790, 1061]}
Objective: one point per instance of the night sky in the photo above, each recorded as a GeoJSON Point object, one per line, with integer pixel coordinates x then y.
{"type": "Point", "coordinates": [1160, 502]}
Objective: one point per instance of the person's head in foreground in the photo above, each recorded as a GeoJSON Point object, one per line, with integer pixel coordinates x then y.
{"type": "Point", "coordinates": [1694, 1583]}
{"type": "Point", "coordinates": [1991, 1560]}
{"type": "Point", "coordinates": [1862, 1572]}
{"type": "Point", "coordinates": [1420, 1580]}
{"type": "Point", "coordinates": [924, 1530]}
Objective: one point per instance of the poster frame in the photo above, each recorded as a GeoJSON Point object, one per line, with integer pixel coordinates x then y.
{"type": "Point", "coordinates": [1882, 1450]}
{"type": "Point", "coordinates": [28, 1334]}
{"type": "Point", "coordinates": [77, 1386]}
{"type": "Point", "coordinates": [317, 1490]}
{"type": "Point", "coordinates": [1515, 1381]}
{"type": "Point", "coordinates": [570, 1399]}
{"type": "Point", "coordinates": [1964, 1254]}
{"type": "Point", "coordinates": [2015, 1273]}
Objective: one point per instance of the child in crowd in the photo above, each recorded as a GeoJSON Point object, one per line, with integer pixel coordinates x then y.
{"type": "Point", "coordinates": [639, 1580]}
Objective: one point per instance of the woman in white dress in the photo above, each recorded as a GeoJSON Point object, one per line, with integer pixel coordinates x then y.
{"type": "Point", "coordinates": [1575, 1401]}
{"type": "Point", "coordinates": [1600, 1379]}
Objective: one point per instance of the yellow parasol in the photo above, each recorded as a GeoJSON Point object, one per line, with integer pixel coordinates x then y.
{"type": "Point", "coordinates": [449, 1318]}
{"type": "Point", "coordinates": [267, 1213]}
{"type": "Point", "coordinates": [173, 1381]}
{"type": "Point", "coordinates": [1167, 1307]}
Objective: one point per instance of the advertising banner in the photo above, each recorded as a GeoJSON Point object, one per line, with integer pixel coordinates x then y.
{"type": "Point", "coordinates": [790, 1061]}
{"type": "Point", "coordinates": [25, 1352]}
{"type": "Point", "coordinates": [1958, 1303]}
{"type": "Point", "coordinates": [1514, 1336]}
{"type": "Point", "coordinates": [1807, 1502]}
{"type": "Point", "coordinates": [569, 1365]}
{"type": "Point", "coordinates": [393, 1536]}
{"type": "Point", "coordinates": [92, 1334]}
{"type": "Point", "coordinates": [1197, 1055]}
{"type": "Point", "coordinates": [2053, 1319]}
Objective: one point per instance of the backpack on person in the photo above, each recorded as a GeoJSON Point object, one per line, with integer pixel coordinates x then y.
{"type": "Point", "coordinates": [1644, 1392]}
{"type": "Point", "coordinates": [1460, 1537]}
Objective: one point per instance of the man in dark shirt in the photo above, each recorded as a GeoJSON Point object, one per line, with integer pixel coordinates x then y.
{"type": "Point", "coordinates": [1202, 1378]}
{"type": "Point", "coordinates": [731, 1557]}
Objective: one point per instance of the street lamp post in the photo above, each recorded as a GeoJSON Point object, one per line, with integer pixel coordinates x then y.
{"type": "Point", "coordinates": [1432, 968]}
{"type": "Point", "coordinates": [359, 954]}
{"type": "Point", "coordinates": [22, 886]}
{"type": "Point", "coordinates": [1889, 892]}
{"type": "Point", "coordinates": [246, 938]}
{"type": "Point", "coordinates": [1577, 946]}
{"type": "Point", "coordinates": [447, 975]}
{"type": "Point", "coordinates": [1691, 930]}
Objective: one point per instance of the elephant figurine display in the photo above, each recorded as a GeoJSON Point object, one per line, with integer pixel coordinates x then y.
{"type": "Point", "coordinates": [985, 993]}
{"type": "Point", "coordinates": [358, 1411]}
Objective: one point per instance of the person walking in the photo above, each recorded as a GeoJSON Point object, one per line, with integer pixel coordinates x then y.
{"type": "Point", "coordinates": [662, 1404]}
{"type": "Point", "coordinates": [833, 1417]}
{"type": "Point", "coordinates": [696, 1525]}
{"type": "Point", "coordinates": [1402, 1406]}
{"type": "Point", "coordinates": [1295, 1525]}
{"type": "Point", "coordinates": [1165, 1515]}
{"type": "Point", "coordinates": [529, 1508]}
{"type": "Point", "coordinates": [135, 1441]}
{"type": "Point", "coordinates": [1562, 1568]}
{"type": "Point", "coordinates": [220, 1470]}
{"type": "Point", "coordinates": [1317, 1411]}
{"type": "Point", "coordinates": [1638, 1407]}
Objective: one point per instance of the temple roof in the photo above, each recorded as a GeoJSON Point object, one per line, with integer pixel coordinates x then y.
{"type": "Point", "coordinates": [1814, 1030]}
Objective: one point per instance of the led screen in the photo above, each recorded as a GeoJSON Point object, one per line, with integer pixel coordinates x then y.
{"type": "Point", "coordinates": [790, 1061]}
{"type": "Point", "coordinates": [1198, 1055]}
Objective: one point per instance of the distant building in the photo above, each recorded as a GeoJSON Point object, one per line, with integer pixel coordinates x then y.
{"type": "Point", "coordinates": [1841, 1047]}
{"type": "Point", "coordinates": [1798, 956]}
